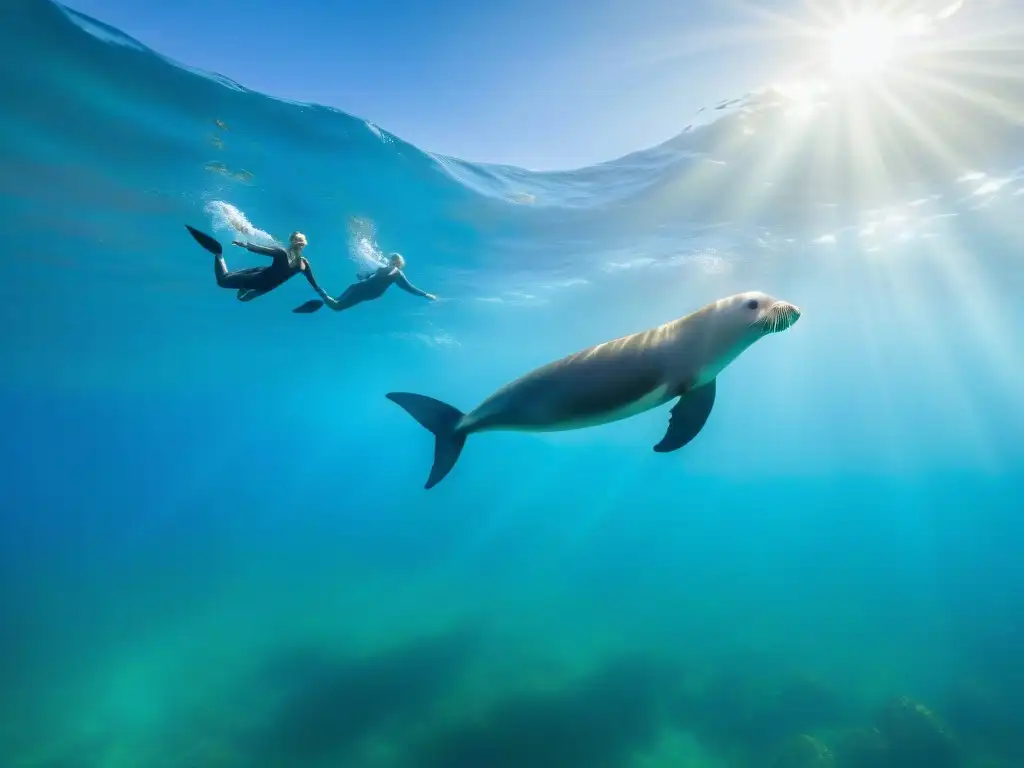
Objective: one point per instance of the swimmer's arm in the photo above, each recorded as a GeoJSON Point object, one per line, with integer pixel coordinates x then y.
{"type": "Point", "coordinates": [308, 271]}
{"type": "Point", "coordinates": [272, 251]}
{"type": "Point", "coordinates": [403, 282]}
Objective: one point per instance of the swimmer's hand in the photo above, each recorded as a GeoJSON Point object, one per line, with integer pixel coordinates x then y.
{"type": "Point", "coordinates": [431, 297]}
{"type": "Point", "coordinates": [239, 243]}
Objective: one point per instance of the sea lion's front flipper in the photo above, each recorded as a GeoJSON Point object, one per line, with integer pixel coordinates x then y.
{"type": "Point", "coordinates": [688, 417]}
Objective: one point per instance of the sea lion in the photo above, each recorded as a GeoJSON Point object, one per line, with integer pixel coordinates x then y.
{"type": "Point", "coordinates": [614, 380]}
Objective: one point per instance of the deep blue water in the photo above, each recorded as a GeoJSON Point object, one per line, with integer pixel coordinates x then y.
{"type": "Point", "coordinates": [215, 546]}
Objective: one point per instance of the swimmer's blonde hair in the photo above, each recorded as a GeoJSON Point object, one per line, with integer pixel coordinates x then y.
{"type": "Point", "coordinates": [397, 259]}
{"type": "Point", "coordinates": [297, 237]}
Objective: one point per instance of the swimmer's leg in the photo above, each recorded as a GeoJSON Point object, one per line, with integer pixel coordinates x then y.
{"type": "Point", "coordinates": [248, 294]}
{"type": "Point", "coordinates": [250, 283]}
{"type": "Point", "coordinates": [352, 296]}
{"type": "Point", "coordinates": [240, 279]}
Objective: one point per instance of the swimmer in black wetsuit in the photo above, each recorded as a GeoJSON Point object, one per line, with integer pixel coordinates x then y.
{"type": "Point", "coordinates": [254, 282]}
{"type": "Point", "coordinates": [371, 286]}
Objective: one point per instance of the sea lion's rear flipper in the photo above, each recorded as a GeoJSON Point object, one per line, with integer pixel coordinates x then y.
{"type": "Point", "coordinates": [309, 307]}
{"type": "Point", "coordinates": [206, 241]}
{"type": "Point", "coordinates": [688, 417]}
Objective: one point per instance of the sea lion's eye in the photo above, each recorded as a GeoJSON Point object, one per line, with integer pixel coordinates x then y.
{"type": "Point", "coordinates": [752, 304]}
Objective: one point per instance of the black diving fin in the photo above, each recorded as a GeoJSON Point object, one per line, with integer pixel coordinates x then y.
{"type": "Point", "coordinates": [206, 241]}
{"type": "Point", "coordinates": [309, 307]}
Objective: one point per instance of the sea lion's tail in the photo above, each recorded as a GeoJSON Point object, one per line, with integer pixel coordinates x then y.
{"type": "Point", "coordinates": [441, 419]}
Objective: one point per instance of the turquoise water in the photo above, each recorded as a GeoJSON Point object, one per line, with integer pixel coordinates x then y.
{"type": "Point", "coordinates": [216, 547]}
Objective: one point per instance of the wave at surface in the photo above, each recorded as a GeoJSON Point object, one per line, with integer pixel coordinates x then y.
{"type": "Point", "coordinates": [729, 150]}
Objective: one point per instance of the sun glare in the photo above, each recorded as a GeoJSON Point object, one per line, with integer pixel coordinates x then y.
{"type": "Point", "coordinates": [863, 46]}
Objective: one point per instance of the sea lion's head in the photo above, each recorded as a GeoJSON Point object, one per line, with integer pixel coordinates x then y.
{"type": "Point", "coordinates": [758, 313]}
